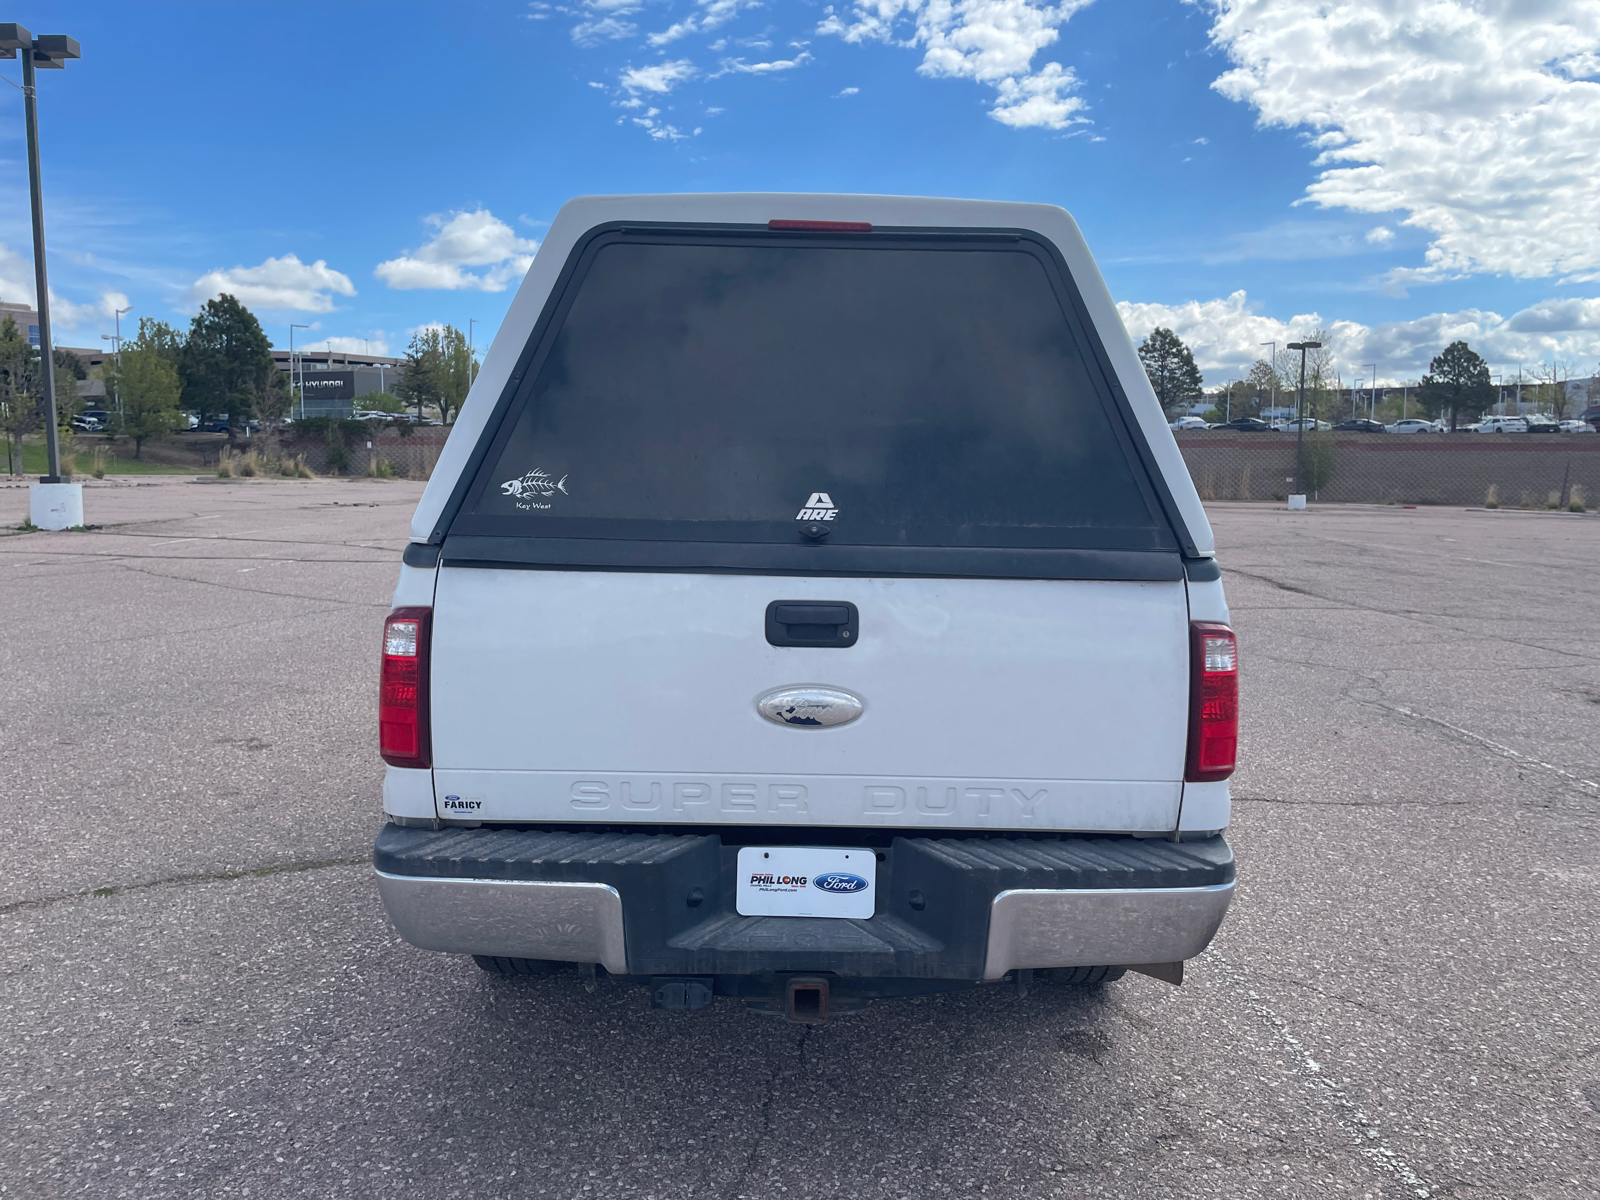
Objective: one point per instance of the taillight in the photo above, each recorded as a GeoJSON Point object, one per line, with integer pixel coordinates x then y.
{"type": "Point", "coordinates": [1213, 702]}
{"type": "Point", "coordinates": [403, 689]}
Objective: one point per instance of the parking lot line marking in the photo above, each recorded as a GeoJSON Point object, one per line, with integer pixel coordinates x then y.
{"type": "Point", "coordinates": [1365, 1135]}
{"type": "Point", "coordinates": [1490, 744]}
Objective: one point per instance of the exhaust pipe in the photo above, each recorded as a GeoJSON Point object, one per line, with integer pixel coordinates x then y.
{"type": "Point", "coordinates": [805, 999]}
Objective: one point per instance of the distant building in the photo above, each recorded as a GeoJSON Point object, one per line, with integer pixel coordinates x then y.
{"type": "Point", "coordinates": [331, 382]}
{"type": "Point", "coordinates": [26, 318]}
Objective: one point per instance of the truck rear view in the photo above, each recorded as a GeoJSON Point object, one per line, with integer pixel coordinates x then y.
{"type": "Point", "coordinates": [810, 606]}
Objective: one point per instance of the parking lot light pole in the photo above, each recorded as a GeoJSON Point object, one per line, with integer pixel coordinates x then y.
{"type": "Point", "coordinates": [1300, 422]}
{"type": "Point", "coordinates": [301, 387]}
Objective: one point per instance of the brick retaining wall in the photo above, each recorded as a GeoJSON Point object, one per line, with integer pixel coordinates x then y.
{"type": "Point", "coordinates": [1418, 468]}
{"type": "Point", "coordinates": [412, 455]}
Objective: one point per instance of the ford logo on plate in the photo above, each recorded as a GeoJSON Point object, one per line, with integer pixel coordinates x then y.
{"type": "Point", "coordinates": [839, 881]}
{"type": "Point", "coordinates": [809, 705]}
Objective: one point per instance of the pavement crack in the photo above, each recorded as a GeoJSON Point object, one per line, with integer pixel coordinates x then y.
{"type": "Point", "coordinates": [106, 893]}
{"type": "Point", "coordinates": [1365, 1135]}
{"type": "Point", "coordinates": [758, 1142]}
{"type": "Point", "coordinates": [1347, 803]}
{"type": "Point", "coordinates": [1477, 739]}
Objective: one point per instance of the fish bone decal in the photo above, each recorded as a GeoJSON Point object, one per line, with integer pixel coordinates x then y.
{"type": "Point", "coordinates": [532, 487]}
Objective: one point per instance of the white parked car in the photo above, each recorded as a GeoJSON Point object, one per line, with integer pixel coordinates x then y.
{"type": "Point", "coordinates": [1576, 427]}
{"type": "Point", "coordinates": [1311, 424]}
{"type": "Point", "coordinates": [1502, 425]}
{"type": "Point", "coordinates": [1190, 423]}
{"type": "Point", "coordinates": [792, 701]}
{"type": "Point", "coordinates": [1415, 425]}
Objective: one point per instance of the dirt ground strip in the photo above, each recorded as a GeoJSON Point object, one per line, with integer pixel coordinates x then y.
{"type": "Point", "coordinates": [201, 996]}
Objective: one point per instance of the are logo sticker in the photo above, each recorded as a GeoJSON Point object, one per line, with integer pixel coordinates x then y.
{"type": "Point", "coordinates": [819, 508]}
{"type": "Point", "coordinates": [532, 491]}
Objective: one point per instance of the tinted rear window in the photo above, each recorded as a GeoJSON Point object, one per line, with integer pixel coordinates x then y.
{"type": "Point", "coordinates": [910, 393]}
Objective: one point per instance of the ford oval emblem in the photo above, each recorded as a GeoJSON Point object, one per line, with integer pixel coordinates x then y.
{"type": "Point", "coordinates": [839, 881]}
{"type": "Point", "coordinates": [810, 706]}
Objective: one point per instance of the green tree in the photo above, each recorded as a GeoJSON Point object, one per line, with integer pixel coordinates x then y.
{"type": "Point", "coordinates": [69, 361]}
{"type": "Point", "coordinates": [1170, 366]}
{"type": "Point", "coordinates": [148, 385]}
{"type": "Point", "coordinates": [421, 379]}
{"type": "Point", "coordinates": [21, 391]}
{"type": "Point", "coordinates": [227, 363]}
{"type": "Point", "coordinates": [1457, 383]}
{"type": "Point", "coordinates": [457, 372]}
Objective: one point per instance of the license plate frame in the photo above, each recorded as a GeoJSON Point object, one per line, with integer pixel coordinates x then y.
{"type": "Point", "coordinates": [807, 881]}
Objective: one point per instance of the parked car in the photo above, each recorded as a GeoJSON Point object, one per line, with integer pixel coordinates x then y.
{"type": "Point", "coordinates": [1360, 425]}
{"type": "Point", "coordinates": [1542, 423]}
{"type": "Point", "coordinates": [1502, 425]}
{"type": "Point", "coordinates": [1591, 416]}
{"type": "Point", "coordinates": [1415, 425]}
{"type": "Point", "coordinates": [1576, 427]}
{"type": "Point", "coordinates": [1190, 423]}
{"type": "Point", "coordinates": [789, 724]}
{"type": "Point", "coordinates": [1311, 425]}
{"type": "Point", "coordinates": [84, 424]}
{"type": "Point", "coordinates": [1246, 424]}
{"type": "Point", "coordinates": [97, 414]}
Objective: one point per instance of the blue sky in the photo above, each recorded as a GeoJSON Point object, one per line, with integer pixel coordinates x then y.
{"type": "Point", "coordinates": [371, 168]}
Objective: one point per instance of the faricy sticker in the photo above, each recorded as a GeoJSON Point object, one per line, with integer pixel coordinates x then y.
{"type": "Point", "coordinates": [818, 508]}
{"type": "Point", "coordinates": [460, 806]}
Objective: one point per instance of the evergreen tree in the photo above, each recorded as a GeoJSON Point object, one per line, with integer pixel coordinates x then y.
{"type": "Point", "coordinates": [227, 363]}
{"type": "Point", "coordinates": [1170, 366]}
{"type": "Point", "coordinates": [1457, 383]}
{"type": "Point", "coordinates": [422, 375]}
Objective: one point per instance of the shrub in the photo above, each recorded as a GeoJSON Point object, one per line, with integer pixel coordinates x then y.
{"type": "Point", "coordinates": [1492, 500]}
{"type": "Point", "coordinates": [250, 464]}
{"type": "Point", "coordinates": [1318, 463]}
{"type": "Point", "coordinates": [1575, 499]}
{"type": "Point", "coordinates": [381, 468]}
{"type": "Point", "coordinates": [97, 463]}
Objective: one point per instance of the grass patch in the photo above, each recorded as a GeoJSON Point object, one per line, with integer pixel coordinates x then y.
{"type": "Point", "coordinates": [106, 461]}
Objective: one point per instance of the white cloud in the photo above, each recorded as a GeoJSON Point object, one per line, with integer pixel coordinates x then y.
{"type": "Point", "coordinates": [16, 287]}
{"type": "Point", "coordinates": [661, 78]}
{"type": "Point", "coordinates": [1226, 335]}
{"type": "Point", "coordinates": [1380, 234]}
{"type": "Point", "coordinates": [740, 67]}
{"type": "Point", "coordinates": [659, 130]}
{"type": "Point", "coordinates": [713, 15]}
{"type": "Point", "coordinates": [850, 91]}
{"type": "Point", "coordinates": [277, 283]}
{"type": "Point", "coordinates": [463, 239]}
{"type": "Point", "coordinates": [1474, 119]}
{"type": "Point", "coordinates": [602, 21]}
{"type": "Point", "coordinates": [347, 345]}
{"type": "Point", "coordinates": [990, 41]}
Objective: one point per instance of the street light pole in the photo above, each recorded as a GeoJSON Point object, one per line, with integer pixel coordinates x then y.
{"type": "Point", "coordinates": [1274, 346]}
{"type": "Point", "coordinates": [471, 321]}
{"type": "Point", "coordinates": [1300, 422]}
{"type": "Point", "coordinates": [1372, 404]}
{"type": "Point", "coordinates": [51, 50]}
{"type": "Point", "coordinates": [301, 387]}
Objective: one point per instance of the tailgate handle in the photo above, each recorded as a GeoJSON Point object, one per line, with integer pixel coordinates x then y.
{"type": "Point", "coordinates": [819, 623]}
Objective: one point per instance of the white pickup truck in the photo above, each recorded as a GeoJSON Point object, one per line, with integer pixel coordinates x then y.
{"type": "Point", "coordinates": [810, 606]}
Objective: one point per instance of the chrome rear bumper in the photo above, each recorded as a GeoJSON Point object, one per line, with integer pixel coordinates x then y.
{"type": "Point", "coordinates": [1102, 928]}
{"type": "Point", "coordinates": [509, 918]}
{"type": "Point", "coordinates": [583, 922]}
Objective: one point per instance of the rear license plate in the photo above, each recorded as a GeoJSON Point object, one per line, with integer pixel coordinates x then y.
{"type": "Point", "coordinates": [806, 881]}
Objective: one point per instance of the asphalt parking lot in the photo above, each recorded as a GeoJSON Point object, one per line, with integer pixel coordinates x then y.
{"type": "Point", "coordinates": [201, 996]}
